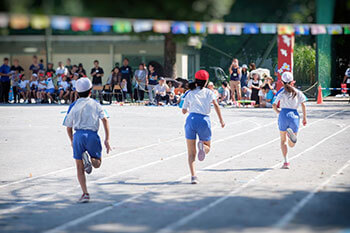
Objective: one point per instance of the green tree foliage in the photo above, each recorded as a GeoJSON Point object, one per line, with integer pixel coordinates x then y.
{"type": "Point", "coordinates": [304, 64]}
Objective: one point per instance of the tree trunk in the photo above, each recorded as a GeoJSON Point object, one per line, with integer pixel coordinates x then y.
{"type": "Point", "coordinates": [169, 56]}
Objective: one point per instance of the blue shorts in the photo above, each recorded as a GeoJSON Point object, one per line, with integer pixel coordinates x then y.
{"type": "Point", "coordinates": [198, 124]}
{"type": "Point", "coordinates": [51, 90]}
{"type": "Point", "coordinates": [288, 118]}
{"type": "Point", "coordinates": [86, 140]}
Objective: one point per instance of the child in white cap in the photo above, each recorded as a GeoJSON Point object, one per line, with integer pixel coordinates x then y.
{"type": "Point", "coordinates": [84, 116]}
{"type": "Point", "coordinates": [288, 120]}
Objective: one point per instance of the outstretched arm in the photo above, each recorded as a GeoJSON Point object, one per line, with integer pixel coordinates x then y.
{"type": "Point", "coordinates": [303, 107]}
{"type": "Point", "coordinates": [106, 127]}
{"type": "Point", "coordinates": [274, 106]}
{"type": "Point", "coordinates": [218, 112]}
{"type": "Point", "coordinates": [70, 134]}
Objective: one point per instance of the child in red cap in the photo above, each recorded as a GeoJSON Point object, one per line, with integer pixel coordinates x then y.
{"type": "Point", "coordinates": [198, 103]}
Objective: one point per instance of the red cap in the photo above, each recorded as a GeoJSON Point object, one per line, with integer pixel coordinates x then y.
{"type": "Point", "coordinates": [202, 75]}
{"type": "Point", "coordinates": [49, 74]}
{"type": "Point", "coordinates": [41, 74]}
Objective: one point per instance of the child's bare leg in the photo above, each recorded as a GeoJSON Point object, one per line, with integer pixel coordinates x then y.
{"type": "Point", "coordinates": [290, 143]}
{"type": "Point", "coordinates": [81, 175]}
{"type": "Point", "coordinates": [283, 135]}
{"type": "Point", "coordinates": [61, 95]}
{"type": "Point", "coordinates": [191, 149]}
{"type": "Point", "coordinates": [206, 146]}
{"type": "Point", "coordinates": [96, 163]}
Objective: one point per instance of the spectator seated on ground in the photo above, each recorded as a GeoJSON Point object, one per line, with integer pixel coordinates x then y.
{"type": "Point", "coordinates": [246, 93]}
{"type": "Point", "coordinates": [224, 96]}
{"type": "Point", "coordinates": [161, 90]}
{"type": "Point", "coordinates": [266, 97]}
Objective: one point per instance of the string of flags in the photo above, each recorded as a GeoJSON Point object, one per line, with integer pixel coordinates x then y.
{"type": "Point", "coordinates": [107, 25]}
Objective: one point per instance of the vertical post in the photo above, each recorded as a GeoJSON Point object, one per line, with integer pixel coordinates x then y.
{"type": "Point", "coordinates": [111, 54]}
{"type": "Point", "coordinates": [48, 43]}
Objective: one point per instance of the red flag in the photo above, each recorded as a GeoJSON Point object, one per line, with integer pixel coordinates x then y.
{"type": "Point", "coordinates": [81, 24]}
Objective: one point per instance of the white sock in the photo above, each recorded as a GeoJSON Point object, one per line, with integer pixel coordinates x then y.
{"type": "Point", "coordinates": [286, 159]}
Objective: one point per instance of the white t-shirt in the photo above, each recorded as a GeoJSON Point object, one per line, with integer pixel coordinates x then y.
{"type": "Point", "coordinates": [262, 94]}
{"type": "Point", "coordinates": [73, 83]}
{"type": "Point", "coordinates": [64, 85]}
{"type": "Point", "coordinates": [49, 83]}
{"type": "Point", "coordinates": [347, 74]}
{"type": "Point", "coordinates": [60, 71]}
{"type": "Point", "coordinates": [287, 101]}
{"type": "Point", "coordinates": [33, 84]}
{"type": "Point", "coordinates": [41, 86]}
{"type": "Point", "coordinates": [23, 84]}
{"type": "Point", "coordinates": [251, 81]}
{"type": "Point", "coordinates": [161, 89]}
{"type": "Point", "coordinates": [84, 114]}
{"type": "Point", "coordinates": [199, 101]}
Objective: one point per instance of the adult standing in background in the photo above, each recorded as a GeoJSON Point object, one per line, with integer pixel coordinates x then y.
{"type": "Point", "coordinates": [81, 70]}
{"type": "Point", "coordinates": [235, 77]}
{"type": "Point", "coordinates": [18, 70]}
{"type": "Point", "coordinates": [5, 81]}
{"type": "Point", "coordinates": [152, 81]}
{"type": "Point", "coordinates": [97, 74]}
{"type": "Point", "coordinates": [127, 75]}
{"type": "Point", "coordinates": [36, 67]}
{"type": "Point", "coordinates": [16, 67]}
{"type": "Point", "coordinates": [69, 66]}
{"type": "Point", "coordinates": [50, 69]}
{"type": "Point", "coordinates": [141, 77]}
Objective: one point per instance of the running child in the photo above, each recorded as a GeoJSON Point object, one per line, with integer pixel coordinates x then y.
{"type": "Point", "coordinates": [84, 117]}
{"type": "Point", "coordinates": [288, 120]}
{"type": "Point", "coordinates": [198, 102]}
{"type": "Point", "coordinates": [63, 89]}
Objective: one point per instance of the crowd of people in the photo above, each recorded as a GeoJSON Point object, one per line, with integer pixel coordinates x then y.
{"type": "Point", "coordinates": [57, 85]}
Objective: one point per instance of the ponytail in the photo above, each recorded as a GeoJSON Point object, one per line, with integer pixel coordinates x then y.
{"type": "Point", "coordinates": [197, 83]}
{"type": "Point", "coordinates": [288, 88]}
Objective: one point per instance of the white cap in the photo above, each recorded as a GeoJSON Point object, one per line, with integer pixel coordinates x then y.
{"type": "Point", "coordinates": [210, 84]}
{"type": "Point", "coordinates": [244, 66]}
{"type": "Point", "coordinates": [35, 75]}
{"type": "Point", "coordinates": [287, 77]}
{"type": "Point", "coordinates": [83, 84]}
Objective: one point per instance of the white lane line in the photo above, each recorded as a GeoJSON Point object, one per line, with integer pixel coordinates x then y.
{"type": "Point", "coordinates": [23, 205]}
{"type": "Point", "coordinates": [183, 221]}
{"type": "Point", "coordinates": [86, 217]}
{"type": "Point", "coordinates": [107, 157]}
{"type": "Point", "coordinates": [283, 222]}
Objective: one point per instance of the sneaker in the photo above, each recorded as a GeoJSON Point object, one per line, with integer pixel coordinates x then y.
{"type": "Point", "coordinates": [194, 180]}
{"type": "Point", "coordinates": [285, 166]}
{"type": "Point", "coordinates": [201, 152]}
{"type": "Point", "coordinates": [291, 135]}
{"type": "Point", "coordinates": [85, 198]}
{"type": "Point", "coordinates": [87, 163]}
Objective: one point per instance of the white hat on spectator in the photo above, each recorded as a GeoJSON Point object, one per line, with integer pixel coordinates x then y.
{"type": "Point", "coordinates": [83, 84]}
{"type": "Point", "coordinates": [210, 84]}
{"type": "Point", "coordinates": [244, 66]}
{"type": "Point", "coordinates": [35, 75]}
{"type": "Point", "coordinates": [287, 77]}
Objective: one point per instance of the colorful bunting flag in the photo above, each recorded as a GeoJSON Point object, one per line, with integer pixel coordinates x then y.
{"type": "Point", "coordinates": [347, 30]}
{"type": "Point", "coordinates": [143, 25]}
{"type": "Point", "coordinates": [216, 28]}
{"type": "Point", "coordinates": [233, 29]}
{"type": "Point", "coordinates": [179, 28]}
{"type": "Point", "coordinates": [198, 28]}
{"type": "Point", "coordinates": [101, 25]}
{"type": "Point", "coordinates": [334, 29]}
{"type": "Point", "coordinates": [318, 29]}
{"type": "Point", "coordinates": [302, 30]}
{"type": "Point", "coordinates": [268, 28]}
{"type": "Point", "coordinates": [81, 24]}
{"type": "Point", "coordinates": [60, 23]}
{"type": "Point", "coordinates": [40, 22]}
{"type": "Point", "coordinates": [19, 22]}
{"type": "Point", "coordinates": [4, 21]}
{"type": "Point", "coordinates": [250, 28]}
{"type": "Point", "coordinates": [161, 26]}
{"type": "Point", "coordinates": [122, 26]}
{"type": "Point", "coordinates": [284, 29]}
